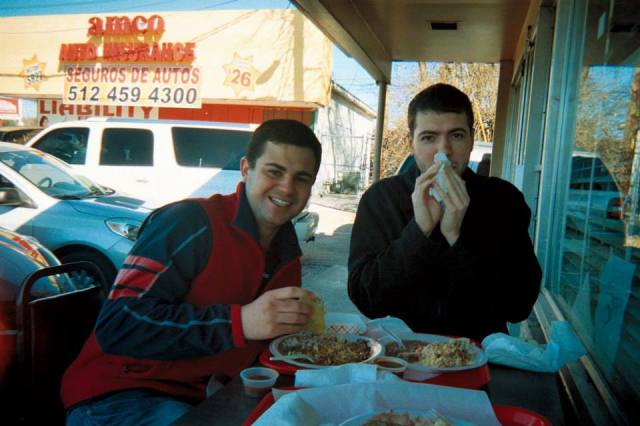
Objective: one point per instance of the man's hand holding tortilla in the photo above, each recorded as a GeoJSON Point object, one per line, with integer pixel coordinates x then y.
{"type": "Point", "coordinates": [277, 312]}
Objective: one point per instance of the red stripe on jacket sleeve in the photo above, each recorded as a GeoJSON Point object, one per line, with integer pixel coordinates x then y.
{"type": "Point", "coordinates": [236, 326]}
{"type": "Point", "coordinates": [123, 292]}
{"type": "Point", "coordinates": [145, 262]}
{"type": "Point", "coordinates": [136, 278]}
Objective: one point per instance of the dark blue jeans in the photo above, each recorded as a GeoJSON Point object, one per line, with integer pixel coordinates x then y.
{"type": "Point", "coordinates": [131, 407]}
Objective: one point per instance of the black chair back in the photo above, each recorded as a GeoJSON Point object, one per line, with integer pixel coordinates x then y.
{"type": "Point", "coordinates": [50, 333]}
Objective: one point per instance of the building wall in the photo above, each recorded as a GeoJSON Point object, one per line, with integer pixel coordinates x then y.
{"type": "Point", "coordinates": [345, 128]}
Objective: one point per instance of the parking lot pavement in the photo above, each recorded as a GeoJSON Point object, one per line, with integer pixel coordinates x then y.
{"type": "Point", "coordinates": [344, 202]}
{"type": "Point", "coordinates": [324, 261]}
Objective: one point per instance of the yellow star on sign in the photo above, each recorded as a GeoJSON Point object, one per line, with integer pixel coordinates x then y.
{"type": "Point", "coordinates": [33, 72]}
{"type": "Point", "coordinates": [241, 74]}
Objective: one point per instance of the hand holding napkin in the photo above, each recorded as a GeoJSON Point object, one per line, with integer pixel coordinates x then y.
{"type": "Point", "coordinates": [442, 158]}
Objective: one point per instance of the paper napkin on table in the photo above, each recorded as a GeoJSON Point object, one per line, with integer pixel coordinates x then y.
{"type": "Point", "coordinates": [347, 373]}
{"type": "Point", "coordinates": [563, 347]}
{"type": "Point", "coordinates": [377, 328]}
{"type": "Point", "coordinates": [332, 405]}
{"type": "Point", "coordinates": [291, 410]}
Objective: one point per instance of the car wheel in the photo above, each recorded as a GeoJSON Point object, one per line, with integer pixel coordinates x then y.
{"type": "Point", "coordinates": [84, 278]}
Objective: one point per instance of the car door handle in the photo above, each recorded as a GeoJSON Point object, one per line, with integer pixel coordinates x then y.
{"type": "Point", "coordinates": [142, 180]}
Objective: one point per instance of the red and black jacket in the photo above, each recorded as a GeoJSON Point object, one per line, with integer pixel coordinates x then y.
{"type": "Point", "coordinates": [172, 319]}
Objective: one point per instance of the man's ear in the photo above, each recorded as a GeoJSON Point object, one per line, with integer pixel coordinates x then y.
{"type": "Point", "coordinates": [244, 168]}
{"type": "Point", "coordinates": [410, 142]}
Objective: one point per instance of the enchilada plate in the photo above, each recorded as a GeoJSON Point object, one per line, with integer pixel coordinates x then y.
{"type": "Point", "coordinates": [285, 349]}
{"type": "Point", "coordinates": [478, 356]}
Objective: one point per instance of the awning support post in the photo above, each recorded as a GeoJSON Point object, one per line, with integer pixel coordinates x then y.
{"type": "Point", "coordinates": [382, 97]}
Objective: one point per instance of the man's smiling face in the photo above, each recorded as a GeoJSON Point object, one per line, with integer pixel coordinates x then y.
{"type": "Point", "coordinates": [279, 185]}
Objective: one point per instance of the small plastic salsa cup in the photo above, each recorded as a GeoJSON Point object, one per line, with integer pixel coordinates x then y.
{"type": "Point", "coordinates": [258, 380]}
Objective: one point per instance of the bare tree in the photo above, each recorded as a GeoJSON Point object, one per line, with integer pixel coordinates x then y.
{"type": "Point", "coordinates": [607, 121]}
{"type": "Point", "coordinates": [479, 81]}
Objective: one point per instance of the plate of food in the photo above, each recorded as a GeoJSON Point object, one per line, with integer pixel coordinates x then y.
{"type": "Point", "coordinates": [404, 418]}
{"type": "Point", "coordinates": [307, 350]}
{"type": "Point", "coordinates": [434, 353]}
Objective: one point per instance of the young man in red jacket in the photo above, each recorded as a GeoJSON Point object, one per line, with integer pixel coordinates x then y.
{"type": "Point", "coordinates": [207, 282]}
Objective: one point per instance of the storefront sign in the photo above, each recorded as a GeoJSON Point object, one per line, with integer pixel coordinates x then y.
{"type": "Point", "coordinates": [175, 60]}
{"type": "Point", "coordinates": [126, 64]}
{"type": "Point", "coordinates": [57, 111]}
{"type": "Point", "coordinates": [118, 39]}
{"type": "Point", "coordinates": [241, 74]}
{"type": "Point", "coordinates": [139, 85]}
{"type": "Point", "coordinates": [33, 72]}
{"type": "Point", "coordinates": [9, 108]}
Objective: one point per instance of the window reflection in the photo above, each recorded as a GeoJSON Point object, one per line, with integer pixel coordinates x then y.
{"type": "Point", "coordinates": [598, 288]}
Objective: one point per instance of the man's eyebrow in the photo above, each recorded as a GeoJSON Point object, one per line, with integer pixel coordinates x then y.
{"type": "Point", "coordinates": [280, 167]}
{"type": "Point", "coordinates": [435, 132]}
{"type": "Point", "coordinates": [276, 165]}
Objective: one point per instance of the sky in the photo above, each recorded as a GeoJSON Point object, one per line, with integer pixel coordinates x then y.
{"type": "Point", "coordinates": [346, 71]}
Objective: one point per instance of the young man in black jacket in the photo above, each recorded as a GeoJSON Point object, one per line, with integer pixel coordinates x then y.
{"type": "Point", "coordinates": [440, 247]}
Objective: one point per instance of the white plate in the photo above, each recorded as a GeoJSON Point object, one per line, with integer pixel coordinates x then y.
{"type": "Point", "coordinates": [424, 414]}
{"type": "Point", "coordinates": [374, 346]}
{"type": "Point", "coordinates": [479, 359]}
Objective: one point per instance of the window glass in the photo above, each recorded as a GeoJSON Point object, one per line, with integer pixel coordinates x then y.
{"type": "Point", "coordinates": [223, 149]}
{"type": "Point", "coordinates": [47, 174]}
{"type": "Point", "coordinates": [126, 147]}
{"type": "Point", "coordinates": [599, 280]}
{"type": "Point", "coordinates": [5, 183]}
{"type": "Point", "coordinates": [69, 144]}
{"type": "Point", "coordinates": [21, 136]}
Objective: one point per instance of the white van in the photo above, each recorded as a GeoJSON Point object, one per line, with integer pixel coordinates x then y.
{"type": "Point", "coordinates": [156, 160]}
{"type": "Point", "coordinates": [159, 161]}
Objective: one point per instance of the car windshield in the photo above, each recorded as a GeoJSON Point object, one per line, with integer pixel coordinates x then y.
{"type": "Point", "coordinates": [51, 177]}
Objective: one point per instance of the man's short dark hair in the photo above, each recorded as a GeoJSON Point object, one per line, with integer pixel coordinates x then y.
{"type": "Point", "coordinates": [439, 98]}
{"type": "Point", "coordinates": [286, 132]}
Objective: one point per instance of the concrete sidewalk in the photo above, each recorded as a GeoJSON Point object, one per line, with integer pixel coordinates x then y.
{"type": "Point", "coordinates": [324, 261]}
{"type": "Point", "coordinates": [344, 202]}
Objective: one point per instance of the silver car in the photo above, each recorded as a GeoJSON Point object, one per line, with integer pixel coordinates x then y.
{"type": "Point", "coordinates": [22, 255]}
{"type": "Point", "coordinates": [72, 216]}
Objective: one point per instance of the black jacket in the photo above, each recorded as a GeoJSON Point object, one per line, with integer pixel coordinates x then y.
{"type": "Point", "coordinates": [488, 277]}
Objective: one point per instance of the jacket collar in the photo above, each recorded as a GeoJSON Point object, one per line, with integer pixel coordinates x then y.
{"type": "Point", "coordinates": [285, 242]}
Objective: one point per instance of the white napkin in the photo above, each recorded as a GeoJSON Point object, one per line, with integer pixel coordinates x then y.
{"type": "Point", "coordinates": [376, 328]}
{"type": "Point", "coordinates": [291, 410]}
{"type": "Point", "coordinates": [333, 405]}
{"type": "Point", "coordinates": [442, 158]}
{"type": "Point", "coordinates": [563, 347]}
{"type": "Point", "coordinates": [347, 373]}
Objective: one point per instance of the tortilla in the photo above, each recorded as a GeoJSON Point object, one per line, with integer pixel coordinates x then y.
{"type": "Point", "coordinates": [316, 320]}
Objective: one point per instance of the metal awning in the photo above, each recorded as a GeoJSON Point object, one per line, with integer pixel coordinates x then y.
{"type": "Point", "coordinates": [378, 32]}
